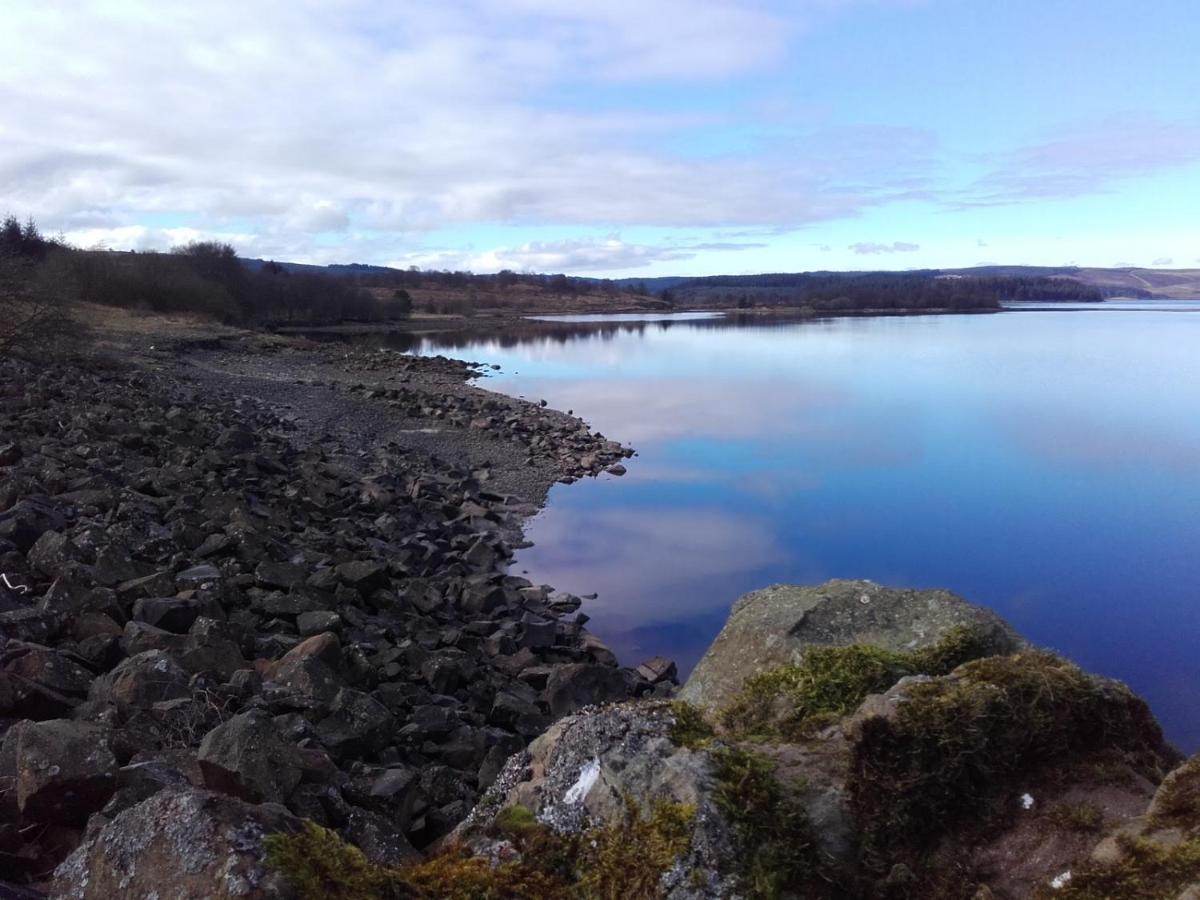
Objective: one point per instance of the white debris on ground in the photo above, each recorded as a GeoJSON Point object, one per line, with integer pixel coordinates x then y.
{"type": "Point", "coordinates": [1060, 881]}
{"type": "Point", "coordinates": [587, 778]}
{"type": "Point", "coordinates": [1027, 801]}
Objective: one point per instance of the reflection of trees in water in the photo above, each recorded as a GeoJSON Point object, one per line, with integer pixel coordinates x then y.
{"type": "Point", "coordinates": [530, 332]}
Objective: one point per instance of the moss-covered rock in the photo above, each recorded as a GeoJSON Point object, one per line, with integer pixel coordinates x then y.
{"type": "Point", "coordinates": [944, 753]}
{"type": "Point", "coordinates": [779, 625]}
{"type": "Point", "coordinates": [830, 682]}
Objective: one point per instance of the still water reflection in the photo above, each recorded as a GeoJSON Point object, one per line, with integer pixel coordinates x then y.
{"type": "Point", "coordinates": [1044, 463]}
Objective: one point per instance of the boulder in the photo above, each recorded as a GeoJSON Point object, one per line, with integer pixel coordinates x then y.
{"type": "Point", "coordinates": [247, 757]}
{"type": "Point", "coordinates": [279, 575]}
{"type": "Point", "coordinates": [574, 686]}
{"type": "Point", "coordinates": [358, 724]}
{"type": "Point", "coordinates": [176, 614]}
{"type": "Point", "coordinates": [32, 517]}
{"type": "Point", "coordinates": [363, 575]}
{"type": "Point", "coordinates": [580, 773]}
{"type": "Point", "coordinates": [180, 844]}
{"type": "Point", "coordinates": [142, 680]}
{"type": "Point", "coordinates": [51, 552]}
{"type": "Point", "coordinates": [64, 771]}
{"type": "Point", "coordinates": [776, 625]}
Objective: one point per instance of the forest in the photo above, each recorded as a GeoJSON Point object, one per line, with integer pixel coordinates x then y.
{"type": "Point", "coordinates": [851, 291]}
{"type": "Point", "coordinates": [38, 275]}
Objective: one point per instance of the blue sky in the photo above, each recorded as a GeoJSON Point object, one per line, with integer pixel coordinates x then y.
{"type": "Point", "coordinates": [624, 138]}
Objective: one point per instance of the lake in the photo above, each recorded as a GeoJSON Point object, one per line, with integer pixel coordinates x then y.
{"type": "Point", "coordinates": [1043, 462]}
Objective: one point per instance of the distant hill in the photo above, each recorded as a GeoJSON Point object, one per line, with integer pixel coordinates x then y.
{"type": "Point", "coordinates": [1165, 284]}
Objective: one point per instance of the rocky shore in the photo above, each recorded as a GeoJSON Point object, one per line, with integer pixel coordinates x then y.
{"type": "Point", "coordinates": [255, 581]}
{"type": "Point", "coordinates": [258, 639]}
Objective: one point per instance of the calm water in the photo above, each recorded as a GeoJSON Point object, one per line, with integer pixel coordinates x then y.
{"type": "Point", "coordinates": [1044, 463]}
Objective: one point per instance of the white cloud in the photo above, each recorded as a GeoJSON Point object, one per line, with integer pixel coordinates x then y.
{"type": "Point", "coordinates": [867, 248]}
{"type": "Point", "coordinates": [385, 122]}
{"type": "Point", "coordinates": [1086, 158]}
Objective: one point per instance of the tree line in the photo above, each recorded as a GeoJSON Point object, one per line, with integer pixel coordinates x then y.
{"type": "Point", "coordinates": [205, 278]}
{"type": "Point", "coordinates": [849, 291]}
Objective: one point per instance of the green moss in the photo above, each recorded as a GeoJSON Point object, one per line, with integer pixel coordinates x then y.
{"type": "Point", "coordinates": [1147, 871]}
{"type": "Point", "coordinates": [513, 821]}
{"type": "Point", "coordinates": [1178, 803]}
{"type": "Point", "coordinates": [777, 855]}
{"type": "Point", "coordinates": [321, 866]}
{"type": "Point", "coordinates": [689, 728]}
{"type": "Point", "coordinates": [1083, 818]}
{"type": "Point", "coordinates": [625, 860]}
{"type": "Point", "coordinates": [956, 748]}
{"type": "Point", "coordinates": [832, 681]}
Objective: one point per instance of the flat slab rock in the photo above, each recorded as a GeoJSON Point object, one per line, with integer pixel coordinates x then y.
{"type": "Point", "coordinates": [776, 625]}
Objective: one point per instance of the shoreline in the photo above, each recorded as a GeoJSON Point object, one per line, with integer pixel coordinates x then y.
{"type": "Point", "coordinates": [312, 542]}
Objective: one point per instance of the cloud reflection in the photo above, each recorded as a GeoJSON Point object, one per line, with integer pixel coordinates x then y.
{"type": "Point", "coordinates": [646, 564]}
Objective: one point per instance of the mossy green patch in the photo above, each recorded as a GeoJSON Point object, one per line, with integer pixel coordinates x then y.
{"type": "Point", "coordinates": [321, 866]}
{"type": "Point", "coordinates": [777, 855]}
{"type": "Point", "coordinates": [1146, 871]}
{"type": "Point", "coordinates": [957, 747]}
{"type": "Point", "coordinates": [624, 860]}
{"type": "Point", "coordinates": [689, 729]}
{"type": "Point", "coordinates": [513, 821]}
{"type": "Point", "coordinates": [1083, 818]}
{"type": "Point", "coordinates": [1178, 803]}
{"type": "Point", "coordinates": [628, 858]}
{"type": "Point", "coordinates": [832, 681]}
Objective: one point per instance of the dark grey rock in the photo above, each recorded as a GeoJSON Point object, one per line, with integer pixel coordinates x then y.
{"type": "Point", "coordinates": [246, 756]}
{"type": "Point", "coordinates": [64, 771]}
{"type": "Point", "coordinates": [574, 686]}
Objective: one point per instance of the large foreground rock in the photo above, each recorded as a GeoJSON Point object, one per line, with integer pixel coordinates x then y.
{"type": "Point", "coordinates": [583, 770]}
{"type": "Point", "coordinates": [178, 845]}
{"type": "Point", "coordinates": [776, 625]}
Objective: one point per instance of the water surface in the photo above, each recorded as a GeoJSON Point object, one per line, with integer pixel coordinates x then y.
{"type": "Point", "coordinates": [1045, 463]}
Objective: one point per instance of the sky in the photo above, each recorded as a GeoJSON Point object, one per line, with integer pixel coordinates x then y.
{"type": "Point", "coordinates": [617, 138]}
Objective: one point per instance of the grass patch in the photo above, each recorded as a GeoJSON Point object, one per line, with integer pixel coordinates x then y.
{"type": "Point", "coordinates": [689, 728]}
{"type": "Point", "coordinates": [832, 681]}
{"type": "Point", "coordinates": [622, 861]}
{"type": "Point", "coordinates": [777, 855]}
{"type": "Point", "coordinates": [1148, 871]}
{"type": "Point", "coordinates": [956, 747]}
{"type": "Point", "coordinates": [1178, 804]}
{"type": "Point", "coordinates": [1082, 818]}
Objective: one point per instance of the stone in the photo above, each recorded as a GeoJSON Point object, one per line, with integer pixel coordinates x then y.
{"type": "Point", "coordinates": [247, 757]}
{"type": "Point", "coordinates": [176, 614]}
{"type": "Point", "coordinates": [358, 724]}
{"type": "Point", "coordinates": [659, 669]}
{"type": "Point", "coordinates": [115, 566]}
{"type": "Point", "coordinates": [142, 680]}
{"type": "Point", "coordinates": [179, 844]}
{"type": "Point", "coordinates": [30, 518]}
{"type": "Point", "coordinates": [517, 711]}
{"type": "Point", "coordinates": [51, 669]}
{"type": "Point", "coordinates": [64, 771]}
{"type": "Point", "coordinates": [776, 625]}
{"type": "Point", "coordinates": [52, 552]}
{"type": "Point", "coordinates": [317, 622]}
{"type": "Point", "coordinates": [279, 575]}
{"type": "Point", "coordinates": [363, 575]}
{"type": "Point", "coordinates": [537, 632]}
{"type": "Point", "coordinates": [574, 686]}
{"type": "Point", "coordinates": [201, 576]}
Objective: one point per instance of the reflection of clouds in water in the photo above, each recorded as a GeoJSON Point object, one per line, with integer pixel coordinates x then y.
{"type": "Point", "coordinates": [637, 558]}
{"type": "Point", "coordinates": [1072, 438]}
{"type": "Point", "coordinates": [665, 408]}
